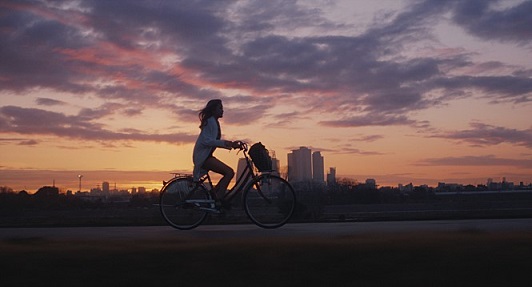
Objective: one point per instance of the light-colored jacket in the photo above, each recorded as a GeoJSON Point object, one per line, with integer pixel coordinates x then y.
{"type": "Point", "coordinates": [205, 144]}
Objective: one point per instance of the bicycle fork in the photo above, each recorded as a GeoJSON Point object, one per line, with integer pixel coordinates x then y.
{"type": "Point", "coordinates": [259, 189]}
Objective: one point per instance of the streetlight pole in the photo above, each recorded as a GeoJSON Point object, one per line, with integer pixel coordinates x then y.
{"type": "Point", "coordinates": [80, 176]}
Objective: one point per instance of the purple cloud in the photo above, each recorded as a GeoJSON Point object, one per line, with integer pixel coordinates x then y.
{"type": "Point", "coordinates": [480, 18]}
{"type": "Point", "coordinates": [39, 122]}
{"type": "Point", "coordinates": [485, 135]}
{"type": "Point", "coordinates": [377, 119]}
{"type": "Point", "coordinates": [49, 102]}
{"type": "Point", "coordinates": [115, 50]}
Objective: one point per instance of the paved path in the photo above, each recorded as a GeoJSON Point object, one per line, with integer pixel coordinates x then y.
{"type": "Point", "coordinates": [302, 230]}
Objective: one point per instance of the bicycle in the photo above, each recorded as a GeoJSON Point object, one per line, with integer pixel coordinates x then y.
{"type": "Point", "coordinates": [268, 200]}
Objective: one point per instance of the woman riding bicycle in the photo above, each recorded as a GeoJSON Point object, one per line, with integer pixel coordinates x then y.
{"type": "Point", "coordinates": [208, 140]}
{"type": "Point", "coordinates": [268, 200]}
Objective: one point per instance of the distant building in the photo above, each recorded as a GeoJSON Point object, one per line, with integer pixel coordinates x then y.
{"type": "Point", "coordinates": [331, 176]}
{"type": "Point", "coordinates": [317, 167]}
{"type": "Point", "coordinates": [47, 192]}
{"type": "Point", "coordinates": [299, 165]}
{"type": "Point", "coordinates": [504, 185]}
{"type": "Point", "coordinates": [105, 187]}
{"type": "Point", "coordinates": [371, 183]}
{"type": "Point", "coordinates": [276, 165]}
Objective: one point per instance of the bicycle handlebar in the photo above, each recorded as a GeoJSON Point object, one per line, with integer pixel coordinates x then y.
{"type": "Point", "coordinates": [242, 145]}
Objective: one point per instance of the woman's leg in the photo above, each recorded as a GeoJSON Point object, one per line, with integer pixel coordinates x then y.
{"type": "Point", "coordinates": [226, 171]}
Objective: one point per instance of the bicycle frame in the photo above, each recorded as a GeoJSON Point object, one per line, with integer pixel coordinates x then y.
{"type": "Point", "coordinates": [247, 175]}
{"type": "Point", "coordinates": [241, 183]}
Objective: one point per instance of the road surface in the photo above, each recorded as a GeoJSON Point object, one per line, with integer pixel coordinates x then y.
{"type": "Point", "coordinates": [399, 253]}
{"type": "Point", "coordinates": [299, 230]}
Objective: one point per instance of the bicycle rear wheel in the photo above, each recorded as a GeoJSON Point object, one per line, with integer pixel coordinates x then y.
{"type": "Point", "coordinates": [269, 201]}
{"type": "Point", "coordinates": [177, 203]}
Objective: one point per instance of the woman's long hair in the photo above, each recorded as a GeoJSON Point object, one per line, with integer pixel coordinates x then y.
{"type": "Point", "coordinates": [208, 111]}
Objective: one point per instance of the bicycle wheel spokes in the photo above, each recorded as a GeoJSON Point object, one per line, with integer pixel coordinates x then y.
{"type": "Point", "coordinates": [181, 203]}
{"type": "Point", "coordinates": [270, 201]}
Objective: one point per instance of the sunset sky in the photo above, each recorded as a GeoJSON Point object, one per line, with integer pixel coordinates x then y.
{"type": "Point", "coordinates": [399, 91]}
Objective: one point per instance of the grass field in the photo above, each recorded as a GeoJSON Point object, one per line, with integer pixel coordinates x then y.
{"type": "Point", "coordinates": [464, 258]}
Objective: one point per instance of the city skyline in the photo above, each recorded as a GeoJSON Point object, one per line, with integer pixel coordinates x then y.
{"type": "Point", "coordinates": [420, 91]}
{"type": "Point", "coordinates": [95, 183]}
{"type": "Point", "coordinates": [305, 165]}
{"type": "Point", "coordinates": [491, 185]}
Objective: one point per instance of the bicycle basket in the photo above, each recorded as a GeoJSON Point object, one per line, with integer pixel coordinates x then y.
{"type": "Point", "coordinates": [260, 157]}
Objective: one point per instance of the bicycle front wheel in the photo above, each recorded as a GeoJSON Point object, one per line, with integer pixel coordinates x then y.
{"type": "Point", "coordinates": [178, 203]}
{"type": "Point", "coordinates": [269, 201]}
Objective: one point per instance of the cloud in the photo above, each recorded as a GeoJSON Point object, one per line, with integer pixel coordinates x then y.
{"type": "Point", "coordinates": [348, 150]}
{"type": "Point", "coordinates": [29, 121]}
{"type": "Point", "coordinates": [166, 54]}
{"type": "Point", "coordinates": [29, 142]}
{"type": "Point", "coordinates": [368, 138]}
{"type": "Point", "coordinates": [345, 149]}
{"type": "Point", "coordinates": [49, 102]}
{"type": "Point", "coordinates": [516, 89]}
{"type": "Point", "coordinates": [377, 119]}
{"type": "Point", "coordinates": [9, 140]}
{"type": "Point", "coordinates": [485, 160]}
{"type": "Point", "coordinates": [19, 141]}
{"type": "Point", "coordinates": [485, 135]}
{"type": "Point", "coordinates": [482, 19]}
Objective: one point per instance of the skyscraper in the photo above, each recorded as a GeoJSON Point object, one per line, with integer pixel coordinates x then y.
{"type": "Point", "coordinates": [317, 167]}
{"type": "Point", "coordinates": [299, 165]}
{"type": "Point", "coordinates": [331, 176]}
{"type": "Point", "coordinates": [275, 164]}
